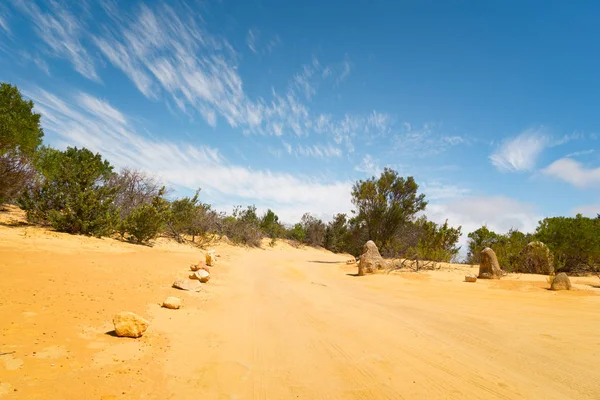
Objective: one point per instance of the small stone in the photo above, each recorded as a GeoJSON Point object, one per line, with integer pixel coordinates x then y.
{"type": "Point", "coordinates": [210, 258]}
{"type": "Point", "coordinates": [173, 303]}
{"type": "Point", "coordinates": [470, 278]}
{"type": "Point", "coordinates": [191, 285]}
{"type": "Point", "coordinates": [199, 266]}
{"type": "Point", "coordinates": [128, 324]}
{"type": "Point", "coordinates": [202, 275]}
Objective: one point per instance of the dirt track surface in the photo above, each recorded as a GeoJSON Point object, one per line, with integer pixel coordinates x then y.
{"type": "Point", "coordinates": [281, 323]}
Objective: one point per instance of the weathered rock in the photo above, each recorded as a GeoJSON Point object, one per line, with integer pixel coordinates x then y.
{"type": "Point", "coordinates": [225, 239]}
{"type": "Point", "coordinates": [535, 258]}
{"type": "Point", "coordinates": [184, 284]}
{"type": "Point", "coordinates": [470, 278]}
{"type": "Point", "coordinates": [202, 275]}
{"type": "Point", "coordinates": [199, 266]}
{"type": "Point", "coordinates": [210, 257]}
{"type": "Point", "coordinates": [128, 324]}
{"type": "Point", "coordinates": [489, 267]}
{"type": "Point", "coordinates": [561, 282]}
{"type": "Point", "coordinates": [172, 302]}
{"type": "Point", "coordinates": [370, 260]}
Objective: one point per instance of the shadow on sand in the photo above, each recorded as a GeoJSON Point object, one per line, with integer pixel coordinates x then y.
{"type": "Point", "coordinates": [327, 262]}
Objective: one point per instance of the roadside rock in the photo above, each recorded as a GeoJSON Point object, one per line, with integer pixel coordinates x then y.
{"type": "Point", "coordinates": [199, 266]}
{"type": "Point", "coordinates": [202, 275]}
{"type": "Point", "coordinates": [171, 302]}
{"type": "Point", "coordinates": [210, 258]}
{"type": "Point", "coordinates": [470, 278]}
{"type": "Point", "coordinates": [370, 260]}
{"type": "Point", "coordinates": [190, 285]}
{"type": "Point", "coordinates": [128, 324]}
{"type": "Point", "coordinates": [489, 267]}
{"type": "Point", "coordinates": [561, 282]}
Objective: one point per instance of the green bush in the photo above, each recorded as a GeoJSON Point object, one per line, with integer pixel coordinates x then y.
{"type": "Point", "coordinates": [146, 221]}
{"type": "Point", "coordinates": [20, 137]}
{"type": "Point", "coordinates": [243, 227]}
{"type": "Point", "coordinates": [72, 195]}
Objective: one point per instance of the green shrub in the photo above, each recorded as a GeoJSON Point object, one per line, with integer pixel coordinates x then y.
{"type": "Point", "coordinates": [72, 195]}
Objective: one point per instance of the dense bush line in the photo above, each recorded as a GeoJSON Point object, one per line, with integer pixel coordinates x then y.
{"type": "Point", "coordinates": [573, 245]}
{"type": "Point", "coordinates": [77, 191]}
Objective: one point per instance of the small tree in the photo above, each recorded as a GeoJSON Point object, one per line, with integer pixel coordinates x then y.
{"type": "Point", "coordinates": [146, 221]}
{"type": "Point", "coordinates": [243, 226]}
{"type": "Point", "coordinates": [336, 234]}
{"type": "Point", "coordinates": [73, 195]}
{"type": "Point", "coordinates": [269, 224]}
{"type": "Point", "coordinates": [315, 230]}
{"type": "Point", "coordinates": [437, 242]}
{"type": "Point", "coordinates": [297, 233]}
{"type": "Point", "coordinates": [20, 137]}
{"type": "Point", "coordinates": [385, 204]}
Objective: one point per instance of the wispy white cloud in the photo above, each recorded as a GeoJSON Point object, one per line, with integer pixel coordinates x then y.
{"type": "Point", "coordinates": [318, 151]}
{"type": "Point", "coordinates": [368, 166]}
{"type": "Point", "coordinates": [3, 23]}
{"type": "Point", "coordinates": [345, 72]}
{"type": "Point", "coordinates": [61, 30]}
{"type": "Point", "coordinates": [520, 153]}
{"type": "Point", "coordinates": [423, 141]}
{"type": "Point", "coordinates": [41, 64]}
{"type": "Point", "coordinates": [86, 121]}
{"type": "Point", "coordinates": [251, 39]}
{"type": "Point", "coordinates": [273, 43]}
{"type": "Point", "coordinates": [579, 153]}
{"type": "Point", "coordinates": [168, 53]}
{"type": "Point", "coordinates": [436, 190]}
{"type": "Point", "coordinates": [573, 172]}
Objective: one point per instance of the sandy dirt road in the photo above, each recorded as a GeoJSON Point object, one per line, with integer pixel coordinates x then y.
{"type": "Point", "coordinates": [280, 323]}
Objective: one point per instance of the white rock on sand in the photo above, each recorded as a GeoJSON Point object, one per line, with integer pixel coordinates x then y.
{"type": "Point", "coordinates": [211, 258]}
{"type": "Point", "coordinates": [202, 275]}
{"type": "Point", "coordinates": [470, 278]}
{"type": "Point", "coordinates": [199, 266]}
{"type": "Point", "coordinates": [185, 284]}
{"type": "Point", "coordinates": [128, 324]}
{"type": "Point", "coordinates": [171, 302]}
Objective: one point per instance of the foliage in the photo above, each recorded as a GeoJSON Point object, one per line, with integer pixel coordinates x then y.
{"type": "Point", "coordinates": [188, 216]}
{"type": "Point", "coordinates": [269, 224]}
{"type": "Point", "coordinates": [243, 227]}
{"type": "Point", "coordinates": [336, 234]}
{"type": "Point", "coordinates": [16, 173]}
{"type": "Point", "coordinates": [508, 247]}
{"type": "Point", "coordinates": [385, 204]}
{"type": "Point", "coordinates": [437, 242]}
{"type": "Point", "coordinates": [20, 137]}
{"type": "Point", "coordinates": [575, 242]}
{"type": "Point", "coordinates": [19, 126]}
{"type": "Point", "coordinates": [135, 188]}
{"type": "Point", "coordinates": [315, 230]}
{"type": "Point", "coordinates": [146, 221]}
{"type": "Point", "coordinates": [297, 233]}
{"type": "Point", "coordinates": [72, 195]}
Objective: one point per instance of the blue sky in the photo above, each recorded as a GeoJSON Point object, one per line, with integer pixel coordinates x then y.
{"type": "Point", "coordinates": [491, 106]}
